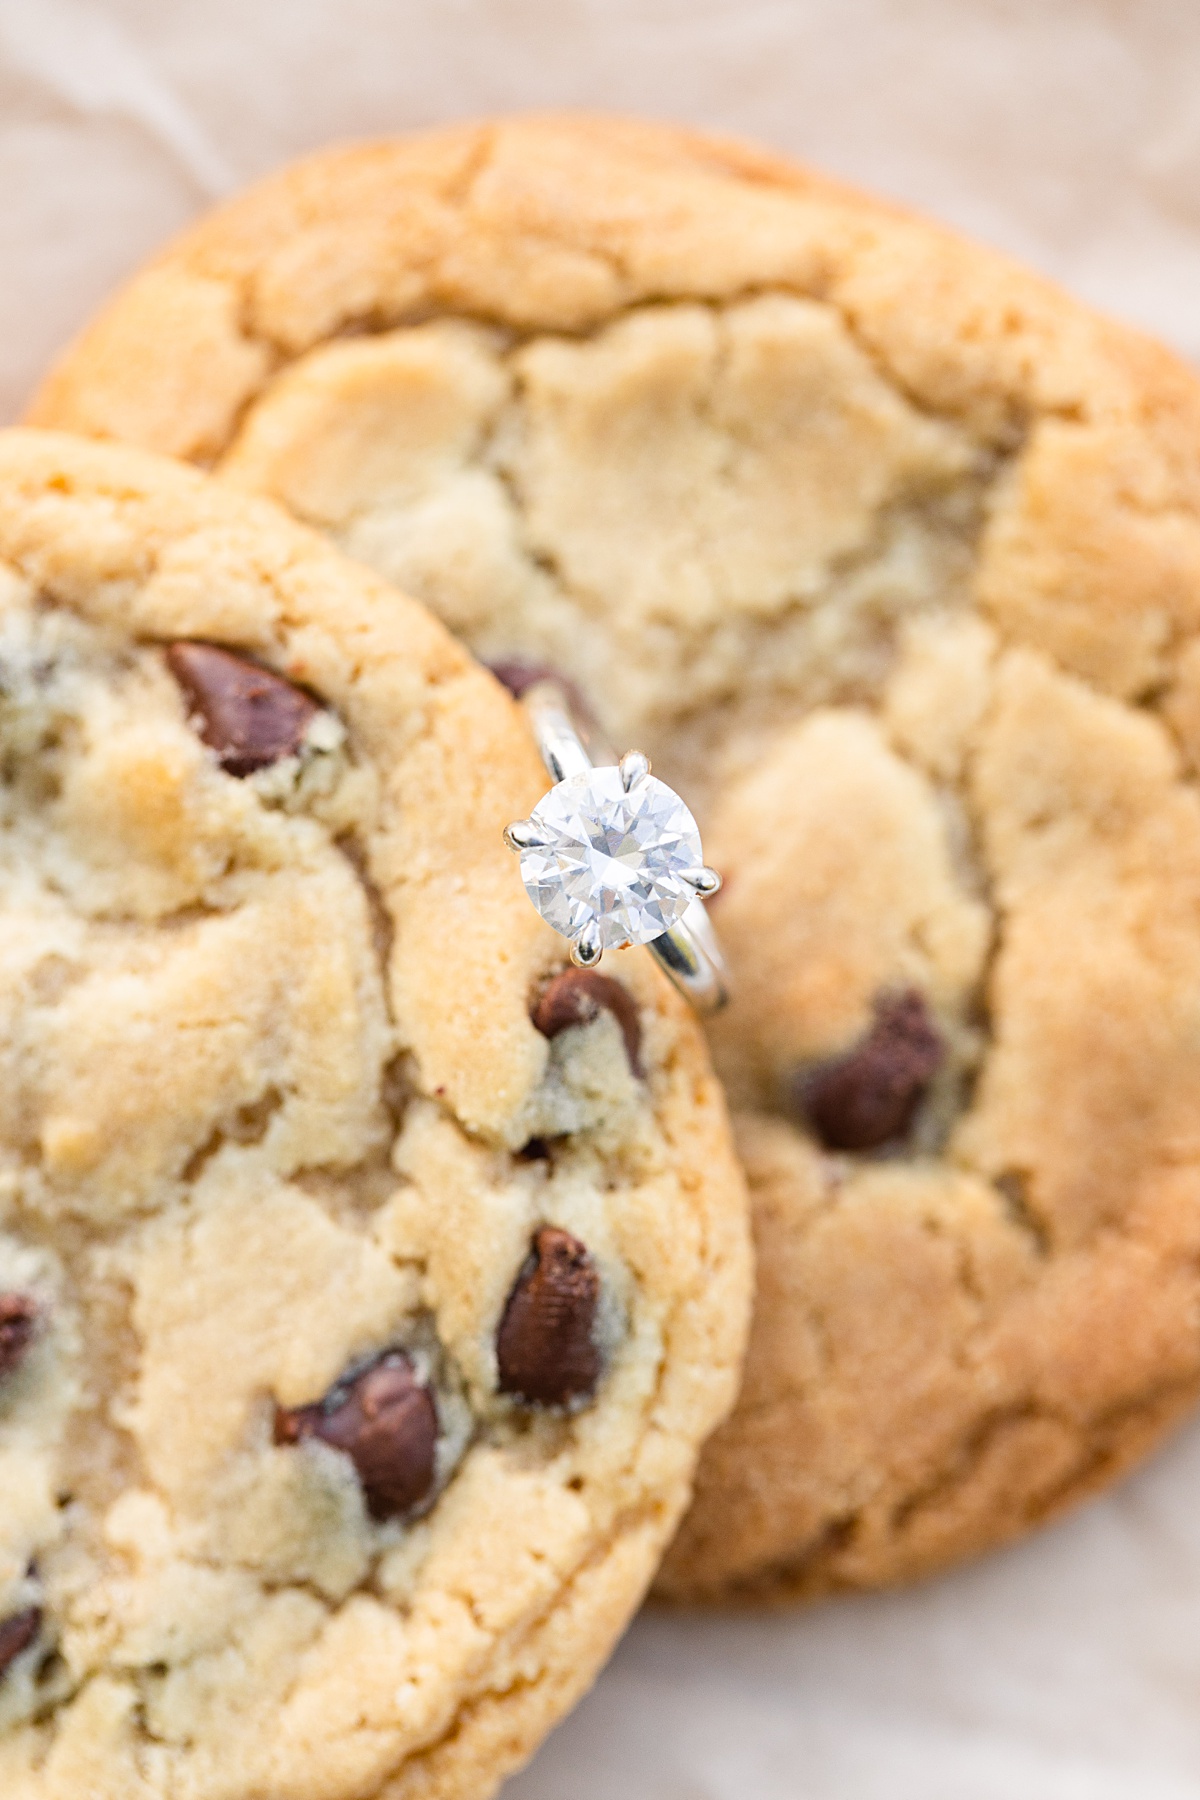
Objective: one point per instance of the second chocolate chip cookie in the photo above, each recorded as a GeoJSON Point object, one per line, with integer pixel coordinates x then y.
{"type": "Point", "coordinates": [889, 554]}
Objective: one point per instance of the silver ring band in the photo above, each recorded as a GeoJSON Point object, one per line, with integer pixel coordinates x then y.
{"type": "Point", "coordinates": [687, 948]}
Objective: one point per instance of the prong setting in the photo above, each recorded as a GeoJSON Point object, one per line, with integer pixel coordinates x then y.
{"type": "Point", "coordinates": [588, 947]}
{"type": "Point", "coordinates": [606, 864]}
{"type": "Point", "coordinates": [635, 766]}
{"type": "Point", "coordinates": [611, 857]}
{"type": "Point", "coordinates": [706, 882]}
{"type": "Point", "coordinates": [523, 835]}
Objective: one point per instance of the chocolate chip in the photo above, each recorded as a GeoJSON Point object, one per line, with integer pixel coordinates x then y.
{"type": "Point", "coordinates": [518, 675]}
{"type": "Point", "coordinates": [514, 673]}
{"type": "Point", "coordinates": [578, 996]}
{"type": "Point", "coordinates": [248, 715]}
{"type": "Point", "coordinates": [545, 1347]}
{"type": "Point", "coordinates": [18, 1323]}
{"type": "Point", "coordinates": [16, 1635]}
{"type": "Point", "coordinates": [385, 1420]}
{"type": "Point", "coordinates": [868, 1097]}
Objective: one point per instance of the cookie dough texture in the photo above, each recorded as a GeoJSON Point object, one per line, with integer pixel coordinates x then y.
{"type": "Point", "coordinates": [268, 1080]}
{"type": "Point", "coordinates": [889, 554]}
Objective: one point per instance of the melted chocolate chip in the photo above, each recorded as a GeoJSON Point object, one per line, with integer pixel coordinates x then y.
{"type": "Point", "coordinates": [545, 1347]}
{"type": "Point", "coordinates": [518, 675]}
{"type": "Point", "coordinates": [386, 1422]}
{"type": "Point", "coordinates": [868, 1097]}
{"type": "Point", "coordinates": [18, 1323]}
{"type": "Point", "coordinates": [248, 715]}
{"type": "Point", "coordinates": [514, 673]}
{"type": "Point", "coordinates": [578, 996]}
{"type": "Point", "coordinates": [16, 1635]}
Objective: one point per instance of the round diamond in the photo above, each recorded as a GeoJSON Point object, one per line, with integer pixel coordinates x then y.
{"type": "Point", "coordinates": [612, 859]}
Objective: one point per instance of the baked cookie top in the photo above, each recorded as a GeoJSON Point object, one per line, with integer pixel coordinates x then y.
{"type": "Point", "coordinates": [889, 554]}
{"type": "Point", "coordinates": [368, 1279]}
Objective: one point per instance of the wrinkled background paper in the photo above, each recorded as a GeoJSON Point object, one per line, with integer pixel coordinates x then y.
{"type": "Point", "coordinates": [1067, 131]}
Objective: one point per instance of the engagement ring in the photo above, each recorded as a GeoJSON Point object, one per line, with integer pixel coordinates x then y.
{"type": "Point", "coordinates": [612, 856]}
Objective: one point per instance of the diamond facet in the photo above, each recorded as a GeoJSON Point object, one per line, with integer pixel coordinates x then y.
{"type": "Point", "coordinates": [612, 859]}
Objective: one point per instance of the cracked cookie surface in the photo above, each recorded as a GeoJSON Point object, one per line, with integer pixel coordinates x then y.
{"type": "Point", "coordinates": [358, 1332]}
{"type": "Point", "coordinates": [889, 554]}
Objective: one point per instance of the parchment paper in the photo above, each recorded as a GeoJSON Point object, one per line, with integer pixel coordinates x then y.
{"type": "Point", "coordinates": [1067, 131]}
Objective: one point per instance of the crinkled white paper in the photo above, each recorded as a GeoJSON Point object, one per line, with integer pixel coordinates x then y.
{"type": "Point", "coordinates": [1067, 131]}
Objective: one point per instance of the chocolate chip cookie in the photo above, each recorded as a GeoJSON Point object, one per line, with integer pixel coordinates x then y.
{"type": "Point", "coordinates": [368, 1279]}
{"type": "Point", "coordinates": [889, 554]}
